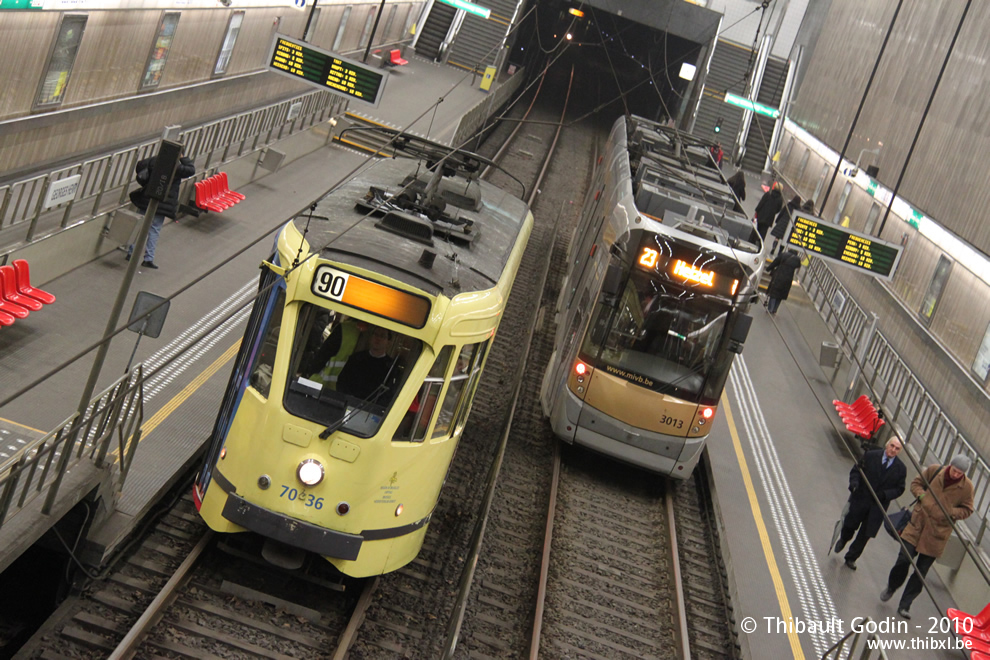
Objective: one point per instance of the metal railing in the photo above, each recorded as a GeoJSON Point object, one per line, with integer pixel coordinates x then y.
{"type": "Point", "coordinates": [472, 120]}
{"type": "Point", "coordinates": [104, 181]}
{"type": "Point", "coordinates": [856, 644]}
{"type": "Point", "coordinates": [40, 466]}
{"type": "Point", "coordinates": [922, 425]}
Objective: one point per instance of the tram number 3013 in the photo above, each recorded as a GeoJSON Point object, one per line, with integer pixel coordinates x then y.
{"type": "Point", "coordinates": [672, 421]}
{"type": "Point", "coordinates": [295, 495]}
{"type": "Point", "coordinates": [329, 283]}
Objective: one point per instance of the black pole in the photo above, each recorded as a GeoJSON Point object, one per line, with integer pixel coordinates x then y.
{"type": "Point", "coordinates": [309, 20]}
{"type": "Point", "coordinates": [862, 102]}
{"type": "Point", "coordinates": [924, 116]}
{"type": "Point", "coordinates": [374, 29]}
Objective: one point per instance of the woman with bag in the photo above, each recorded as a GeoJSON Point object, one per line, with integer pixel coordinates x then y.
{"type": "Point", "coordinates": [943, 495]}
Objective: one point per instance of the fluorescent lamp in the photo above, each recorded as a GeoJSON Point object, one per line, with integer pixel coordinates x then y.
{"type": "Point", "coordinates": [687, 71]}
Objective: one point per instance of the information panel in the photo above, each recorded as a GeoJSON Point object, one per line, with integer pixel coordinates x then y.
{"type": "Point", "coordinates": [844, 246]}
{"type": "Point", "coordinates": [294, 58]}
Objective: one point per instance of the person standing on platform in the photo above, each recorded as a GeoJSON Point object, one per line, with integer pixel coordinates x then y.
{"type": "Point", "coordinates": [944, 494]}
{"type": "Point", "coordinates": [737, 183]}
{"type": "Point", "coordinates": [767, 209]}
{"type": "Point", "coordinates": [783, 222]}
{"type": "Point", "coordinates": [783, 268]}
{"type": "Point", "coordinates": [166, 209]}
{"type": "Point", "coordinates": [885, 474]}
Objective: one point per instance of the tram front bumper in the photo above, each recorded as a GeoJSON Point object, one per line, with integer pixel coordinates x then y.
{"type": "Point", "coordinates": [291, 531]}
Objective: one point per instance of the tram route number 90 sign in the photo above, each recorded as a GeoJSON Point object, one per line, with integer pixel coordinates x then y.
{"type": "Point", "coordinates": [297, 59]}
{"type": "Point", "coordinates": [844, 246]}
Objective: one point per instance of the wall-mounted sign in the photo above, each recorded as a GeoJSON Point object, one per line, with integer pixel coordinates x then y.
{"type": "Point", "coordinates": [297, 59]}
{"type": "Point", "coordinates": [843, 246]}
{"type": "Point", "coordinates": [62, 191]}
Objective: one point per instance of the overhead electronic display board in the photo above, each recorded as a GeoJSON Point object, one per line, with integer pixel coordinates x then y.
{"type": "Point", "coordinates": [297, 59]}
{"type": "Point", "coordinates": [844, 246]}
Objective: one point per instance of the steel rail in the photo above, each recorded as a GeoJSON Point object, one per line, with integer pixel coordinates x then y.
{"type": "Point", "coordinates": [132, 640]}
{"type": "Point", "coordinates": [681, 631]}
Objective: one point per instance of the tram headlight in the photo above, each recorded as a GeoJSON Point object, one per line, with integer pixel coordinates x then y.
{"type": "Point", "coordinates": [310, 472]}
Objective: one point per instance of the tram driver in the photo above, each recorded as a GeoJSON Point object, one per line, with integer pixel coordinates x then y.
{"type": "Point", "coordinates": [366, 371]}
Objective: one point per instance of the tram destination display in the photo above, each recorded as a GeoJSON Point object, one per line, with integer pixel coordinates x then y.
{"type": "Point", "coordinates": [844, 246]}
{"type": "Point", "coordinates": [353, 80]}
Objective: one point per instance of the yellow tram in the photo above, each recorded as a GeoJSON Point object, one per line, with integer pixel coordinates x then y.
{"type": "Point", "coordinates": [362, 355]}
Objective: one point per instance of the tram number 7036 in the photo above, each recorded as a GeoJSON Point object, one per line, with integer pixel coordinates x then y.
{"type": "Point", "coordinates": [302, 496]}
{"type": "Point", "coordinates": [672, 421]}
{"type": "Point", "coordinates": [330, 283]}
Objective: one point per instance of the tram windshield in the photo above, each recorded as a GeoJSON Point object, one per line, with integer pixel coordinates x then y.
{"type": "Point", "coordinates": [663, 336]}
{"type": "Point", "coordinates": [346, 373]}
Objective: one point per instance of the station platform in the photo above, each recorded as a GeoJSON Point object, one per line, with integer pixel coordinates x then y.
{"type": "Point", "coordinates": [181, 400]}
{"type": "Point", "coordinates": [780, 461]}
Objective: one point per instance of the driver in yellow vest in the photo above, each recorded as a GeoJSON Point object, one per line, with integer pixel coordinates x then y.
{"type": "Point", "coordinates": [335, 350]}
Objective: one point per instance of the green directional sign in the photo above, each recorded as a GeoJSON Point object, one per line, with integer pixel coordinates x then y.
{"type": "Point", "coordinates": [469, 7]}
{"type": "Point", "coordinates": [746, 104]}
{"type": "Point", "coordinates": [20, 4]}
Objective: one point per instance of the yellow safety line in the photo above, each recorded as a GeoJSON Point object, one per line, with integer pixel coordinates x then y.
{"type": "Point", "coordinates": [362, 147]}
{"type": "Point", "coordinates": [23, 426]}
{"type": "Point", "coordinates": [186, 392]}
{"type": "Point", "coordinates": [754, 504]}
{"type": "Point", "coordinates": [363, 118]}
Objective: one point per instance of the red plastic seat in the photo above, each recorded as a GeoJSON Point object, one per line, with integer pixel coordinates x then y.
{"type": "Point", "coordinates": [6, 319]}
{"type": "Point", "coordinates": [395, 57]}
{"type": "Point", "coordinates": [22, 279]}
{"type": "Point", "coordinates": [980, 621]}
{"type": "Point", "coordinates": [217, 195]}
{"type": "Point", "coordinates": [13, 309]}
{"type": "Point", "coordinates": [226, 187]}
{"type": "Point", "coordinates": [204, 199]}
{"type": "Point", "coordinates": [976, 655]}
{"type": "Point", "coordinates": [842, 405]}
{"type": "Point", "coordinates": [8, 290]}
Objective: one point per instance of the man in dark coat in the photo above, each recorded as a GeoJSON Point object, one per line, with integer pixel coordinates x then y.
{"type": "Point", "coordinates": [782, 268]}
{"type": "Point", "coordinates": [886, 475]}
{"type": "Point", "coordinates": [767, 209]}
{"type": "Point", "coordinates": [166, 208]}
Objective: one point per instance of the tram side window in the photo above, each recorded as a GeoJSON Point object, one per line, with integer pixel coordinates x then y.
{"type": "Point", "coordinates": [417, 419]}
{"type": "Point", "coordinates": [264, 359]}
{"type": "Point", "coordinates": [462, 384]}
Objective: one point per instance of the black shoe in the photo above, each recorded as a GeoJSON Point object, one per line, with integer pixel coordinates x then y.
{"type": "Point", "coordinates": [150, 264]}
{"type": "Point", "coordinates": [886, 594]}
{"type": "Point", "coordinates": [904, 612]}
{"type": "Point", "coordinates": [851, 564]}
{"type": "Point", "coordinates": [839, 545]}
{"type": "Point", "coordinates": [127, 258]}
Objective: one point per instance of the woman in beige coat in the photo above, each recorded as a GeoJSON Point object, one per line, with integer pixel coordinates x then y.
{"type": "Point", "coordinates": [928, 532]}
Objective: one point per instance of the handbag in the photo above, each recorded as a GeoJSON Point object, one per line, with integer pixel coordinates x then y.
{"type": "Point", "coordinates": [897, 521]}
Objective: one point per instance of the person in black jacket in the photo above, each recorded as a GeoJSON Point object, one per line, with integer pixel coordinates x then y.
{"type": "Point", "coordinates": [737, 183]}
{"type": "Point", "coordinates": [886, 474]}
{"type": "Point", "coordinates": [166, 208]}
{"type": "Point", "coordinates": [767, 209]}
{"type": "Point", "coordinates": [783, 268]}
{"type": "Point", "coordinates": [783, 221]}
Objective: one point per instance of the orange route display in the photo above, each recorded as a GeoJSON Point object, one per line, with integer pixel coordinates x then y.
{"type": "Point", "coordinates": [379, 299]}
{"type": "Point", "coordinates": [844, 246]}
{"type": "Point", "coordinates": [297, 59]}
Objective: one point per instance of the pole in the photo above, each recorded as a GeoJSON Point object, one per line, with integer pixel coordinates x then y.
{"type": "Point", "coordinates": [309, 19]}
{"type": "Point", "coordinates": [924, 116]}
{"type": "Point", "coordinates": [862, 102]}
{"type": "Point", "coordinates": [374, 29]}
{"type": "Point", "coordinates": [118, 305]}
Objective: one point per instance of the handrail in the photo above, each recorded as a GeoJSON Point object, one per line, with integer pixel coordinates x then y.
{"type": "Point", "coordinates": [39, 466]}
{"type": "Point", "coordinates": [861, 645]}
